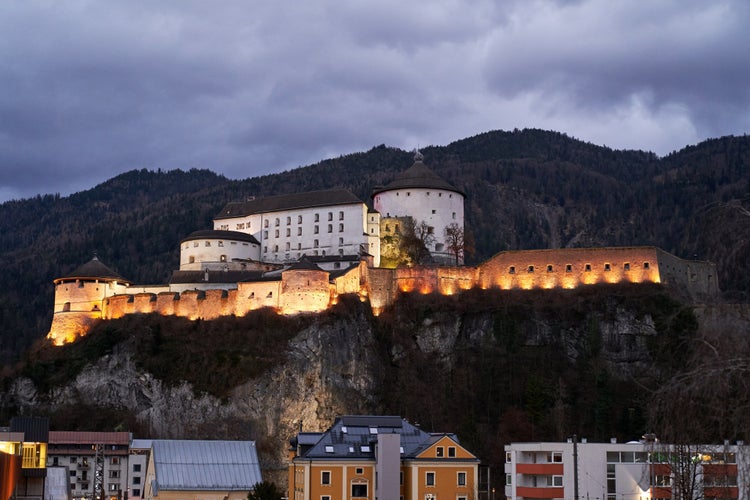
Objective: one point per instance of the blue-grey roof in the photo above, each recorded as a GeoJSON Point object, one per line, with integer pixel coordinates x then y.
{"type": "Point", "coordinates": [355, 436]}
{"type": "Point", "coordinates": [205, 465]}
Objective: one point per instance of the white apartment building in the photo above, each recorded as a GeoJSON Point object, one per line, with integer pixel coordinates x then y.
{"type": "Point", "coordinates": [638, 470]}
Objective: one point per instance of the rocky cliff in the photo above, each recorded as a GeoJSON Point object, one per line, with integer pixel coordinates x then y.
{"type": "Point", "coordinates": [491, 367]}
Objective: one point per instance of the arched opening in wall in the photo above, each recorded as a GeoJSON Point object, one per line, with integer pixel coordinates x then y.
{"type": "Point", "coordinates": [66, 307]}
{"type": "Point", "coordinates": [192, 259]}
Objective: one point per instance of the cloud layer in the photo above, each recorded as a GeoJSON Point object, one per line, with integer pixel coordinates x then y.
{"type": "Point", "coordinates": [92, 89]}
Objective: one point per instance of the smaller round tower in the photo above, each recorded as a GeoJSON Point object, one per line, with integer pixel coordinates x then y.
{"type": "Point", "coordinates": [420, 193]}
{"type": "Point", "coordinates": [80, 299]}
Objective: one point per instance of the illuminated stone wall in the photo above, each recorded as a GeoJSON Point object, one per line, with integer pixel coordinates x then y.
{"type": "Point", "coordinates": [309, 291]}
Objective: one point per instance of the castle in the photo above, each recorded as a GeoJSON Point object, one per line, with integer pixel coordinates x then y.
{"type": "Point", "coordinates": [298, 253]}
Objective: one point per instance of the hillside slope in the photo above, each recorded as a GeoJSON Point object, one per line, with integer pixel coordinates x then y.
{"type": "Point", "coordinates": [525, 189]}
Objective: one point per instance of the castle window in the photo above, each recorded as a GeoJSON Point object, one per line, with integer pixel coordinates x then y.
{"type": "Point", "coordinates": [317, 217]}
{"type": "Point", "coordinates": [330, 215]}
{"type": "Point", "coordinates": [299, 231]}
{"type": "Point", "coordinates": [588, 268]}
{"type": "Point", "coordinates": [433, 211]}
{"type": "Point", "coordinates": [430, 230]}
{"type": "Point", "coordinates": [270, 294]}
{"type": "Point", "coordinates": [276, 222]}
{"type": "Point", "coordinates": [288, 232]}
{"type": "Point", "coordinates": [330, 228]}
{"type": "Point", "coordinates": [607, 267]}
{"type": "Point", "coordinates": [288, 246]}
{"type": "Point", "coordinates": [265, 249]}
{"type": "Point", "coordinates": [315, 252]}
{"type": "Point", "coordinates": [341, 228]}
{"type": "Point", "coordinates": [440, 195]}
{"type": "Point", "coordinates": [276, 233]}
{"type": "Point", "coordinates": [192, 259]}
{"type": "Point", "coordinates": [387, 228]}
{"type": "Point", "coordinates": [195, 244]}
{"type": "Point", "coordinates": [315, 230]}
{"type": "Point", "coordinates": [530, 269]}
{"type": "Point", "coordinates": [626, 266]}
{"type": "Point", "coordinates": [324, 253]}
{"type": "Point", "coordinates": [645, 265]}
{"type": "Point", "coordinates": [276, 248]}
{"type": "Point", "coordinates": [223, 258]}
{"type": "Point", "coordinates": [265, 235]}
{"type": "Point", "coordinates": [341, 251]}
{"type": "Point", "coordinates": [299, 246]}
{"type": "Point", "coordinates": [408, 193]}
{"type": "Point", "coordinates": [208, 243]}
{"type": "Point", "coordinates": [450, 196]}
{"type": "Point", "coordinates": [299, 219]}
{"type": "Point", "coordinates": [568, 268]}
{"type": "Point", "coordinates": [397, 229]}
{"type": "Point", "coordinates": [341, 241]}
{"type": "Point", "coordinates": [549, 268]}
{"type": "Point", "coordinates": [315, 243]}
{"type": "Point", "coordinates": [454, 215]}
{"type": "Point", "coordinates": [337, 265]}
{"type": "Point", "coordinates": [512, 270]}
{"type": "Point", "coordinates": [265, 223]}
{"type": "Point", "coordinates": [80, 284]}
{"type": "Point", "coordinates": [341, 215]}
{"type": "Point", "coordinates": [288, 221]}
{"type": "Point", "coordinates": [66, 307]}
{"type": "Point", "coordinates": [221, 243]}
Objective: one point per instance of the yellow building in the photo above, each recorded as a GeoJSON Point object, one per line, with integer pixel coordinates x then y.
{"type": "Point", "coordinates": [384, 457]}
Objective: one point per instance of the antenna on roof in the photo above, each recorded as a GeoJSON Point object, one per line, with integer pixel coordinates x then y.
{"type": "Point", "coordinates": [418, 155]}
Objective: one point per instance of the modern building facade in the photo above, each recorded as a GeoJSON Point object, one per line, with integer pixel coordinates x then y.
{"type": "Point", "coordinates": [97, 462]}
{"type": "Point", "coordinates": [639, 470]}
{"type": "Point", "coordinates": [383, 457]}
{"type": "Point", "coordinates": [23, 455]}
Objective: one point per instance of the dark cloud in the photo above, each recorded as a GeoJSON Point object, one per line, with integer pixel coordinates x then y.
{"type": "Point", "coordinates": [92, 89]}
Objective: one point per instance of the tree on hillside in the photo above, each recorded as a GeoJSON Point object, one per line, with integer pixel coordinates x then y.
{"type": "Point", "coordinates": [416, 238]}
{"type": "Point", "coordinates": [265, 491]}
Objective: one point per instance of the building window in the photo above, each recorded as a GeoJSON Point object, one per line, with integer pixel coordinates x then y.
{"type": "Point", "coordinates": [265, 223]}
{"type": "Point", "coordinates": [554, 457]}
{"type": "Point", "coordinates": [588, 268]}
{"type": "Point", "coordinates": [401, 477]}
{"type": "Point", "coordinates": [136, 492]}
{"type": "Point", "coordinates": [276, 233]}
{"type": "Point", "coordinates": [114, 474]}
{"type": "Point", "coordinates": [330, 215]}
{"type": "Point", "coordinates": [325, 497]}
{"type": "Point", "coordinates": [341, 215]}
{"type": "Point", "coordinates": [341, 241]}
{"type": "Point", "coordinates": [325, 477]}
{"type": "Point", "coordinates": [508, 479]}
{"type": "Point", "coordinates": [315, 230]}
{"type": "Point", "coordinates": [265, 235]}
{"type": "Point", "coordinates": [276, 222]}
{"type": "Point", "coordinates": [433, 210]}
{"type": "Point", "coordinates": [454, 215]}
{"type": "Point", "coordinates": [568, 268]}
{"type": "Point", "coordinates": [512, 270]}
{"type": "Point", "coordinates": [329, 449]}
{"type": "Point", "coordinates": [549, 268]}
{"type": "Point", "coordinates": [276, 248]}
{"type": "Point", "coordinates": [359, 490]}
{"type": "Point", "coordinates": [626, 266]}
{"type": "Point", "coordinates": [429, 479]}
{"type": "Point", "coordinates": [645, 265]}
{"type": "Point", "coordinates": [192, 259]}
{"type": "Point", "coordinates": [208, 243]}
{"type": "Point", "coordinates": [330, 228]}
{"type": "Point", "coordinates": [341, 228]}
{"type": "Point", "coordinates": [114, 486]}
{"type": "Point", "coordinates": [557, 481]}
{"type": "Point", "coordinates": [359, 471]}
{"type": "Point", "coordinates": [317, 218]}
{"type": "Point", "coordinates": [315, 243]}
{"type": "Point", "coordinates": [452, 451]}
{"type": "Point", "coordinates": [288, 246]}
{"type": "Point", "coordinates": [461, 479]}
{"type": "Point", "coordinates": [607, 267]}
{"type": "Point", "coordinates": [364, 448]}
{"type": "Point", "coordinates": [439, 451]}
{"type": "Point", "coordinates": [136, 479]}
{"type": "Point", "coordinates": [508, 457]}
{"type": "Point", "coordinates": [115, 461]}
{"type": "Point", "coordinates": [288, 232]}
{"type": "Point", "coordinates": [530, 269]}
{"type": "Point", "coordinates": [223, 258]}
{"type": "Point", "coordinates": [299, 231]}
{"type": "Point", "coordinates": [288, 221]}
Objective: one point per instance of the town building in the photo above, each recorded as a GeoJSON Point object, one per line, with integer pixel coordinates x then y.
{"type": "Point", "coordinates": [23, 458]}
{"type": "Point", "coordinates": [638, 470]}
{"type": "Point", "coordinates": [369, 457]}
{"type": "Point", "coordinates": [96, 462]}
{"type": "Point", "coordinates": [201, 470]}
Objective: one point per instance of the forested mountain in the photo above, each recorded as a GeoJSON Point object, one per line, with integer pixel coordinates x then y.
{"type": "Point", "coordinates": [525, 189]}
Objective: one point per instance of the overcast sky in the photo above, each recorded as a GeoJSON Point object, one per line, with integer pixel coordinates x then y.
{"type": "Point", "coordinates": [91, 89]}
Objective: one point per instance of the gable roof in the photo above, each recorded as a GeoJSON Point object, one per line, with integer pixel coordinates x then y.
{"type": "Point", "coordinates": [310, 199]}
{"type": "Point", "coordinates": [205, 465]}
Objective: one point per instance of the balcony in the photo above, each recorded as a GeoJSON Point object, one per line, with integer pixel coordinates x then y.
{"type": "Point", "coordinates": [545, 469]}
{"type": "Point", "coordinates": [531, 492]}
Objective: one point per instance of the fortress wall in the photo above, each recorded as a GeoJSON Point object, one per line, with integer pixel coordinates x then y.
{"type": "Point", "coordinates": [68, 326]}
{"type": "Point", "coordinates": [352, 281]}
{"type": "Point", "coordinates": [257, 295]}
{"type": "Point", "coordinates": [696, 278]}
{"type": "Point", "coordinates": [213, 304]}
{"type": "Point", "coordinates": [165, 303]}
{"type": "Point", "coordinates": [304, 291]}
{"type": "Point", "coordinates": [452, 280]}
{"type": "Point", "coordinates": [144, 303]}
{"type": "Point", "coordinates": [189, 305]}
{"type": "Point", "coordinates": [381, 288]}
{"type": "Point", "coordinates": [569, 267]}
{"type": "Point", "coordinates": [80, 295]}
{"type": "Point", "coordinates": [416, 279]}
{"type": "Point", "coordinates": [118, 306]}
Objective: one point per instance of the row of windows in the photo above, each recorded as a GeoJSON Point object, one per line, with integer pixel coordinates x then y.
{"type": "Point", "coordinates": [316, 244]}
{"type": "Point", "coordinates": [316, 230]}
{"type": "Point", "coordinates": [408, 193]}
{"type": "Point", "coordinates": [430, 478]}
{"type": "Point", "coordinates": [569, 268]}
{"type": "Point", "coordinates": [550, 457]}
{"type": "Point", "coordinates": [277, 220]}
{"type": "Point", "coordinates": [219, 243]}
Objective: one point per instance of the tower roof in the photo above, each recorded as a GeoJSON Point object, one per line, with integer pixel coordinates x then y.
{"type": "Point", "coordinates": [94, 269]}
{"type": "Point", "coordinates": [297, 201]}
{"type": "Point", "coordinates": [217, 234]}
{"type": "Point", "coordinates": [418, 176]}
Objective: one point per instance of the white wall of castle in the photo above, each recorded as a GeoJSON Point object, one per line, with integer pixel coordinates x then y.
{"type": "Point", "coordinates": [286, 235]}
{"type": "Point", "coordinates": [437, 207]}
{"type": "Point", "coordinates": [215, 250]}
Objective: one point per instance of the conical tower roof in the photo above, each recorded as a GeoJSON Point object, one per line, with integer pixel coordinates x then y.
{"type": "Point", "coordinates": [418, 176]}
{"type": "Point", "coordinates": [94, 269]}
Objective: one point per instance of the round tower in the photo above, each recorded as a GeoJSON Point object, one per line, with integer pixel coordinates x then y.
{"type": "Point", "coordinates": [80, 299]}
{"type": "Point", "coordinates": [218, 250]}
{"type": "Point", "coordinates": [420, 193]}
